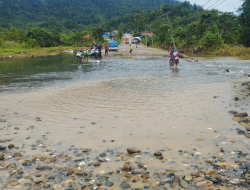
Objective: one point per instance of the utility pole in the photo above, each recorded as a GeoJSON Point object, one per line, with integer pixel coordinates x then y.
{"type": "Point", "coordinates": [152, 41]}
{"type": "Point", "coordinates": [146, 38]}
{"type": "Point", "coordinates": [170, 27]}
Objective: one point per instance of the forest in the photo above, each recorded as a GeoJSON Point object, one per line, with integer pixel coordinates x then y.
{"type": "Point", "coordinates": [52, 23]}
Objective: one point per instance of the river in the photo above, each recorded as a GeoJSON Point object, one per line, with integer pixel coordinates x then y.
{"type": "Point", "coordinates": [123, 102]}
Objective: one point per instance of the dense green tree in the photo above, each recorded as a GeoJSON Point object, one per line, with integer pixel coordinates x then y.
{"type": "Point", "coordinates": [245, 23]}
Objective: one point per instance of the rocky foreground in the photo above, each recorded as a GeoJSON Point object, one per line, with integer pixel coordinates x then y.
{"type": "Point", "coordinates": [76, 168]}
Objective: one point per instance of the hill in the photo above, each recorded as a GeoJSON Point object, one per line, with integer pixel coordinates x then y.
{"type": "Point", "coordinates": [68, 14]}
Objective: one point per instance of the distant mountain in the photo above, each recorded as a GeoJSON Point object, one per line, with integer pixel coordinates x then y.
{"type": "Point", "coordinates": [68, 14]}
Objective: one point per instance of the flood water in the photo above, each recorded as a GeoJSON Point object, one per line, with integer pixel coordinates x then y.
{"type": "Point", "coordinates": [136, 102]}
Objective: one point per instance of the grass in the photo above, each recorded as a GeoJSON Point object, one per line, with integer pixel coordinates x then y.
{"type": "Point", "coordinates": [17, 50]}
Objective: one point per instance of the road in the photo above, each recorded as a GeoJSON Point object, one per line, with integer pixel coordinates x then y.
{"type": "Point", "coordinates": [142, 50]}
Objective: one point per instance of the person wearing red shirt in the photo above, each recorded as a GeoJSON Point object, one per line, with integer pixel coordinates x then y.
{"type": "Point", "coordinates": [106, 49]}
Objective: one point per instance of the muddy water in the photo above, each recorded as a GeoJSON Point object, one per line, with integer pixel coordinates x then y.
{"type": "Point", "coordinates": [138, 102]}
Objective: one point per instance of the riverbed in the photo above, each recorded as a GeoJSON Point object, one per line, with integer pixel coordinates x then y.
{"type": "Point", "coordinates": [123, 102]}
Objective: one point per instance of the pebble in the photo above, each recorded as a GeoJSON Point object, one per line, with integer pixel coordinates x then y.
{"type": "Point", "coordinates": [188, 178]}
{"type": "Point", "coordinates": [101, 159]}
{"type": "Point", "coordinates": [125, 186]}
{"type": "Point", "coordinates": [109, 184]}
{"type": "Point", "coordinates": [198, 179]}
{"type": "Point", "coordinates": [244, 114]}
{"type": "Point", "coordinates": [161, 172]}
{"type": "Point", "coordinates": [133, 150]}
{"type": "Point", "coordinates": [102, 155]}
{"type": "Point", "coordinates": [14, 183]}
{"type": "Point", "coordinates": [158, 154]}
{"type": "Point", "coordinates": [184, 184]}
{"type": "Point", "coordinates": [97, 164]}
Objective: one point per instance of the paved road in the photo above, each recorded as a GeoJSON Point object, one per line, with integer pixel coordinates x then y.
{"type": "Point", "coordinates": [142, 50]}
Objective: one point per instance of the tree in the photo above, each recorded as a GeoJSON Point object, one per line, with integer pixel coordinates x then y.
{"type": "Point", "coordinates": [245, 23]}
{"type": "Point", "coordinates": [43, 37]}
{"type": "Point", "coordinates": [120, 34]}
{"type": "Point", "coordinates": [121, 27]}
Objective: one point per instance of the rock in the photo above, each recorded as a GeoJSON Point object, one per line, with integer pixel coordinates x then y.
{"type": "Point", "coordinates": [133, 150]}
{"type": "Point", "coordinates": [7, 165]}
{"type": "Point", "coordinates": [82, 164]}
{"type": "Point", "coordinates": [171, 171]}
{"type": "Point", "coordinates": [244, 114]}
{"type": "Point", "coordinates": [97, 164]}
{"type": "Point", "coordinates": [101, 159]}
{"type": "Point", "coordinates": [53, 158]}
{"type": "Point", "coordinates": [247, 135]}
{"type": "Point", "coordinates": [47, 185]}
{"type": "Point", "coordinates": [86, 188]}
{"type": "Point", "coordinates": [2, 148]}
{"type": "Point", "coordinates": [212, 172]}
{"type": "Point", "coordinates": [124, 158]}
{"type": "Point", "coordinates": [199, 139]}
{"type": "Point", "coordinates": [233, 141]}
{"type": "Point", "coordinates": [12, 180]}
{"type": "Point", "coordinates": [125, 186]}
{"type": "Point", "coordinates": [102, 154]}
{"type": "Point", "coordinates": [17, 154]}
{"type": "Point", "coordinates": [32, 126]}
{"type": "Point", "coordinates": [232, 112]}
{"type": "Point", "coordinates": [248, 128]}
{"type": "Point", "coordinates": [128, 175]}
{"type": "Point", "coordinates": [140, 164]}
{"type": "Point", "coordinates": [236, 98]}
{"type": "Point", "coordinates": [1, 154]}
{"type": "Point", "coordinates": [188, 178]}
{"type": "Point", "coordinates": [109, 184]}
{"type": "Point", "coordinates": [161, 172]}
{"type": "Point", "coordinates": [206, 188]}
{"type": "Point", "coordinates": [58, 167]}
{"type": "Point", "coordinates": [230, 164]}
{"type": "Point", "coordinates": [37, 156]}
{"type": "Point", "coordinates": [176, 180]}
{"type": "Point", "coordinates": [158, 154]}
{"type": "Point", "coordinates": [76, 170]}
{"type": "Point", "coordinates": [135, 179]}
{"type": "Point", "coordinates": [198, 179]}
{"type": "Point", "coordinates": [126, 167]}
{"type": "Point", "coordinates": [201, 183]}
{"type": "Point", "coordinates": [14, 183]}
{"type": "Point", "coordinates": [184, 184]}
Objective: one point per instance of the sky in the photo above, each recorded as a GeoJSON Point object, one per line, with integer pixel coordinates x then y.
{"type": "Point", "coordinates": [226, 6]}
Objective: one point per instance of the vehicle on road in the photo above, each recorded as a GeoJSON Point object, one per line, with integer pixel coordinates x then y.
{"type": "Point", "coordinates": [126, 40]}
{"type": "Point", "coordinates": [113, 46]}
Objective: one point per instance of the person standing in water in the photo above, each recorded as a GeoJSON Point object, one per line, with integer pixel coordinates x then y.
{"type": "Point", "coordinates": [130, 49]}
{"type": "Point", "coordinates": [176, 56]}
{"type": "Point", "coordinates": [171, 55]}
{"type": "Point", "coordinates": [86, 55]}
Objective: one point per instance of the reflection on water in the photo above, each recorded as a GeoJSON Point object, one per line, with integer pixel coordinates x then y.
{"type": "Point", "coordinates": [136, 102]}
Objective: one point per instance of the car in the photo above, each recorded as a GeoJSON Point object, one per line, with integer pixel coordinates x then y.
{"type": "Point", "coordinates": [113, 46]}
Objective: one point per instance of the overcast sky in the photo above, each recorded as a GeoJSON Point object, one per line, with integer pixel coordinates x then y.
{"type": "Point", "coordinates": [227, 5]}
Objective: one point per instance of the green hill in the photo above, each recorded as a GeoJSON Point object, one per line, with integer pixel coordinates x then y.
{"type": "Point", "coordinates": [68, 14]}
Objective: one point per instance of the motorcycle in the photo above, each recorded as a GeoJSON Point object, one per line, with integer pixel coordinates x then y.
{"type": "Point", "coordinates": [96, 53]}
{"type": "Point", "coordinates": [79, 55]}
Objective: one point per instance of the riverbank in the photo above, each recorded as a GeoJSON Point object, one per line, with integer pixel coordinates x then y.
{"type": "Point", "coordinates": [6, 54]}
{"type": "Point", "coordinates": [125, 123]}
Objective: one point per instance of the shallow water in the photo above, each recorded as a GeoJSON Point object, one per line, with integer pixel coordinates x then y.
{"type": "Point", "coordinates": [138, 102]}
